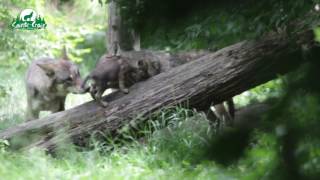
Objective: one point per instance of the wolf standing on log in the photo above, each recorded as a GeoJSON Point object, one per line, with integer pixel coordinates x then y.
{"type": "Point", "coordinates": [48, 81]}
{"type": "Point", "coordinates": [113, 71]}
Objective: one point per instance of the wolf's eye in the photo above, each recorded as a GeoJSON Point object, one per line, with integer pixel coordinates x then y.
{"type": "Point", "coordinates": [140, 63]}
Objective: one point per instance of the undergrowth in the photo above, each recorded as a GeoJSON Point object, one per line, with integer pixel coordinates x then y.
{"type": "Point", "coordinates": [177, 151]}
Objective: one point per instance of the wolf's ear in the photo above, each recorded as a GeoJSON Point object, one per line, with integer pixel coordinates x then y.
{"type": "Point", "coordinates": [47, 67]}
{"type": "Point", "coordinates": [64, 53]}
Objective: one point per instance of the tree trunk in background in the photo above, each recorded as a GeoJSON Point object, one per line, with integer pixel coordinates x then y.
{"type": "Point", "coordinates": [113, 34]}
{"type": "Point", "coordinates": [136, 36]}
{"type": "Point", "coordinates": [119, 34]}
{"type": "Point", "coordinates": [213, 77]}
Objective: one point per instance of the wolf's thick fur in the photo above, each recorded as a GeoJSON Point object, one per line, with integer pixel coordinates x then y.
{"type": "Point", "coordinates": [48, 81]}
{"type": "Point", "coordinates": [113, 72]}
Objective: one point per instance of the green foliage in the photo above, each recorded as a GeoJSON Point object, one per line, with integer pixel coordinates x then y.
{"type": "Point", "coordinates": [271, 89]}
{"type": "Point", "coordinates": [171, 152]}
{"type": "Point", "coordinates": [317, 33]}
{"type": "Point", "coordinates": [177, 143]}
{"type": "Point", "coordinates": [208, 24]}
{"type": "Point", "coordinates": [295, 120]}
{"type": "Point", "coordinates": [63, 29]}
{"type": "Point", "coordinates": [260, 158]}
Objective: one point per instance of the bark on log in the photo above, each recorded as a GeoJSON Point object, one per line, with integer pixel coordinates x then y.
{"type": "Point", "coordinates": [214, 77]}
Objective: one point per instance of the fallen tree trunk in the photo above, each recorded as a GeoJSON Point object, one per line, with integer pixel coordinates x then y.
{"type": "Point", "coordinates": [213, 77]}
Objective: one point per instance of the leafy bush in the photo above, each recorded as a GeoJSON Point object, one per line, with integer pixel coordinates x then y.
{"type": "Point", "coordinates": [208, 24]}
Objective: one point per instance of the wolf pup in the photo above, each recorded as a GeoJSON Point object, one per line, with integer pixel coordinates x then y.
{"type": "Point", "coordinates": [48, 81]}
{"type": "Point", "coordinates": [112, 72]}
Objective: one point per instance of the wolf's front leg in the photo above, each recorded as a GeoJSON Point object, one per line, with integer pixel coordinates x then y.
{"type": "Point", "coordinates": [32, 111]}
{"type": "Point", "coordinates": [122, 79]}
